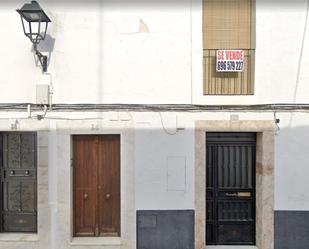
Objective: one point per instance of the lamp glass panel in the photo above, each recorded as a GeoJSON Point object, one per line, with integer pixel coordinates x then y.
{"type": "Point", "coordinates": [36, 33]}
{"type": "Point", "coordinates": [34, 16]}
{"type": "Point", "coordinates": [26, 26]}
{"type": "Point", "coordinates": [43, 29]}
{"type": "Point", "coordinates": [35, 27]}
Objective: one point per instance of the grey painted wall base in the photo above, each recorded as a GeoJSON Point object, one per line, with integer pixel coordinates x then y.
{"type": "Point", "coordinates": [168, 229]}
{"type": "Point", "coordinates": [291, 229]}
{"type": "Point", "coordinates": [174, 229]}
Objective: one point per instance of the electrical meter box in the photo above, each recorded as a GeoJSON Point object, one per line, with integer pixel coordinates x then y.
{"type": "Point", "coordinates": [42, 94]}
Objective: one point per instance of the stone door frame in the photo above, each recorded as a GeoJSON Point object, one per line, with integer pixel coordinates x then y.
{"type": "Point", "coordinates": [265, 140]}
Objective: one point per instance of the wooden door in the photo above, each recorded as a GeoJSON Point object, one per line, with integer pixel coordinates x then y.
{"type": "Point", "coordinates": [96, 185]}
{"type": "Point", "coordinates": [109, 181]}
{"type": "Point", "coordinates": [18, 182]}
{"type": "Point", "coordinates": [85, 197]}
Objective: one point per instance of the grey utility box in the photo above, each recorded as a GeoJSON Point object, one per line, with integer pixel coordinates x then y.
{"type": "Point", "coordinates": [42, 94]}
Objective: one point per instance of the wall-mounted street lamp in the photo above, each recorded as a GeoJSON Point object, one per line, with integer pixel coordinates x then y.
{"type": "Point", "coordinates": [35, 22]}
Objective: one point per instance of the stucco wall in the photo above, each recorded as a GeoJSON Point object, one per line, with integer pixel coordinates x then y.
{"type": "Point", "coordinates": [154, 146]}
{"type": "Point", "coordinates": [102, 53]}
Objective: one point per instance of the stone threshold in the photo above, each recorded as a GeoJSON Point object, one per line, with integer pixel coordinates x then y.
{"type": "Point", "coordinates": [95, 241]}
{"type": "Point", "coordinates": [19, 237]}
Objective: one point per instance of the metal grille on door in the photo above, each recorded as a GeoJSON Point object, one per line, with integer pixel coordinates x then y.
{"type": "Point", "coordinates": [230, 188]}
{"type": "Point", "coordinates": [18, 178]}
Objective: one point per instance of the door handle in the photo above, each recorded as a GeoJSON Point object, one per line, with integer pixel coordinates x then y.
{"type": "Point", "coordinates": [244, 194]}
{"type": "Point", "coordinates": [231, 194]}
{"type": "Point", "coordinates": [107, 197]}
{"type": "Point", "coordinates": [27, 174]}
{"type": "Point", "coordinates": [85, 196]}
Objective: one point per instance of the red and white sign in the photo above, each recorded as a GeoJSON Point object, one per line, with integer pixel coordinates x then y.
{"type": "Point", "coordinates": [230, 60]}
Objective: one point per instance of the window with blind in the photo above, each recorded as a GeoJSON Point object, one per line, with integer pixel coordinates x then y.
{"type": "Point", "coordinates": [228, 25]}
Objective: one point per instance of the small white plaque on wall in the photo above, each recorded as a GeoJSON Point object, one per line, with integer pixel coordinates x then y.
{"type": "Point", "coordinates": [176, 173]}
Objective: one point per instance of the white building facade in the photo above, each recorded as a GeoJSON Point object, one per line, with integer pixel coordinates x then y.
{"type": "Point", "coordinates": [127, 94]}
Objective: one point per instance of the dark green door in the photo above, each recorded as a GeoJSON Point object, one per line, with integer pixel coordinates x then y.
{"type": "Point", "coordinates": [18, 182]}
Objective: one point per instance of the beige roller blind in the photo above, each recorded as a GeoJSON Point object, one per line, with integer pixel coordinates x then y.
{"type": "Point", "coordinates": [228, 24]}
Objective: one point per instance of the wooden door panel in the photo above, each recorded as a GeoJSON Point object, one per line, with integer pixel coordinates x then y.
{"type": "Point", "coordinates": [96, 185]}
{"type": "Point", "coordinates": [27, 155]}
{"type": "Point", "coordinates": [20, 196]}
{"type": "Point", "coordinates": [18, 182]}
{"type": "Point", "coordinates": [109, 185]}
{"type": "Point", "coordinates": [19, 205]}
{"type": "Point", "coordinates": [12, 155]}
{"type": "Point", "coordinates": [85, 164]}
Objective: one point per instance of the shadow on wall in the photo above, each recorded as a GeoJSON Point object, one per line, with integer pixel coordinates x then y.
{"type": "Point", "coordinates": [292, 152]}
{"type": "Point", "coordinates": [291, 168]}
{"type": "Point", "coordinates": [46, 46]}
{"type": "Point", "coordinates": [292, 157]}
{"type": "Point", "coordinates": [297, 135]}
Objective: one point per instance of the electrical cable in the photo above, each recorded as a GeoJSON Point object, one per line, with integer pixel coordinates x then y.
{"type": "Point", "coordinates": [42, 116]}
{"type": "Point", "coordinates": [301, 54]}
{"type": "Point", "coordinates": [155, 107]}
{"type": "Point", "coordinates": [73, 119]}
{"type": "Point", "coordinates": [164, 128]}
{"type": "Point", "coordinates": [277, 121]}
{"type": "Point", "coordinates": [300, 60]}
{"type": "Point", "coordinates": [51, 90]}
{"type": "Point", "coordinates": [191, 48]}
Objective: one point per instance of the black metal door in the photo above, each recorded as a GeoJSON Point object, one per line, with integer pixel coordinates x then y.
{"type": "Point", "coordinates": [18, 182]}
{"type": "Point", "coordinates": [230, 188]}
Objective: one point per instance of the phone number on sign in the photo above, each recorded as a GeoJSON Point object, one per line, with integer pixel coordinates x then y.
{"type": "Point", "coordinates": [230, 66]}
